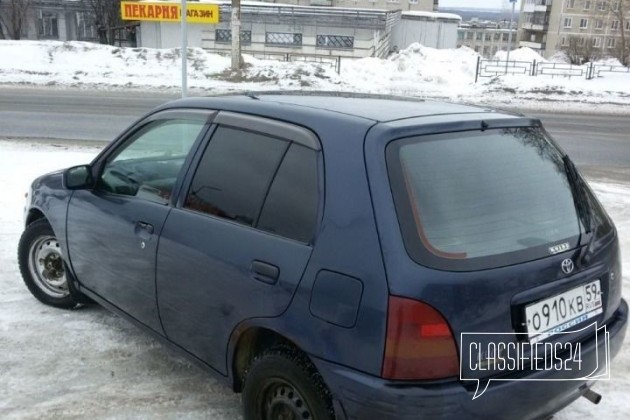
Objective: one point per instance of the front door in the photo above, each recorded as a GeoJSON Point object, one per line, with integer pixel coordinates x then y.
{"type": "Point", "coordinates": [113, 228]}
{"type": "Point", "coordinates": [239, 240]}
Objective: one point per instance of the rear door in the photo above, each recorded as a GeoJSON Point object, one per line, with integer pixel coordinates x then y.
{"type": "Point", "coordinates": [113, 228]}
{"type": "Point", "coordinates": [236, 245]}
{"type": "Point", "coordinates": [483, 225]}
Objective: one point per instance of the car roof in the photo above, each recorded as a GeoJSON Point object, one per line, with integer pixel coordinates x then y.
{"type": "Point", "coordinates": [377, 108]}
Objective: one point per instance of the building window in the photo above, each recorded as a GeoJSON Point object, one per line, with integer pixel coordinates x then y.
{"type": "Point", "coordinates": [488, 37]}
{"type": "Point", "coordinates": [614, 25]}
{"type": "Point", "coordinates": [564, 41]}
{"type": "Point", "coordinates": [583, 23]}
{"type": "Point", "coordinates": [461, 35]}
{"type": "Point", "coordinates": [601, 6]}
{"type": "Point", "coordinates": [610, 43]}
{"type": "Point", "coordinates": [587, 5]}
{"type": "Point", "coordinates": [486, 51]}
{"type": "Point", "coordinates": [628, 25]}
{"type": "Point", "coordinates": [477, 48]}
{"type": "Point", "coordinates": [506, 37]}
{"type": "Point", "coordinates": [335, 41]}
{"type": "Point", "coordinates": [224, 36]}
{"type": "Point", "coordinates": [568, 22]}
{"type": "Point", "coordinates": [615, 6]}
{"type": "Point", "coordinates": [479, 36]}
{"type": "Point", "coordinates": [85, 26]}
{"type": "Point", "coordinates": [393, 1]}
{"type": "Point", "coordinates": [580, 41]}
{"type": "Point", "coordinates": [570, 4]}
{"type": "Point", "coordinates": [597, 42]}
{"type": "Point", "coordinates": [283, 39]}
{"type": "Point", "coordinates": [470, 35]}
{"type": "Point", "coordinates": [599, 24]}
{"type": "Point", "coordinates": [48, 25]}
{"type": "Point", "coordinates": [413, 1]}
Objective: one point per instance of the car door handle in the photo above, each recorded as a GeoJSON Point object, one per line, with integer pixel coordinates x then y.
{"type": "Point", "coordinates": [265, 272]}
{"type": "Point", "coordinates": [144, 226]}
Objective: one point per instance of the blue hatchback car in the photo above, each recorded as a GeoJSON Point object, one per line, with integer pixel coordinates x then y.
{"type": "Point", "coordinates": [333, 256]}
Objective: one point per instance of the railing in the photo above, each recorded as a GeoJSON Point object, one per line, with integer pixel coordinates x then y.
{"type": "Point", "coordinates": [332, 60]}
{"type": "Point", "coordinates": [561, 69]}
{"type": "Point", "coordinates": [490, 68]}
{"type": "Point", "coordinates": [598, 69]}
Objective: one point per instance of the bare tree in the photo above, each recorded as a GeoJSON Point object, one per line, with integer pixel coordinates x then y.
{"type": "Point", "coordinates": [620, 10]}
{"type": "Point", "coordinates": [106, 15]}
{"type": "Point", "coordinates": [616, 15]}
{"type": "Point", "coordinates": [13, 17]}
{"type": "Point", "coordinates": [580, 50]}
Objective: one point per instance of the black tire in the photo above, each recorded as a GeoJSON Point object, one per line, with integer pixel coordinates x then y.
{"type": "Point", "coordinates": [281, 383]}
{"type": "Point", "coordinates": [46, 278]}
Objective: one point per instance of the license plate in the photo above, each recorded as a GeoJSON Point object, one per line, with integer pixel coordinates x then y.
{"type": "Point", "coordinates": [553, 315]}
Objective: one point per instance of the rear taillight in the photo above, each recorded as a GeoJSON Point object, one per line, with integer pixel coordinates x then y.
{"type": "Point", "coordinates": [419, 344]}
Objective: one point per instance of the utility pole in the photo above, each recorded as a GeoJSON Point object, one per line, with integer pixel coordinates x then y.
{"type": "Point", "coordinates": [236, 35]}
{"type": "Point", "coordinates": [507, 61]}
{"type": "Point", "coordinates": [184, 51]}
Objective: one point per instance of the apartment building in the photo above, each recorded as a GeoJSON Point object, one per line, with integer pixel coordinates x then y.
{"type": "Point", "coordinates": [48, 19]}
{"type": "Point", "coordinates": [404, 5]}
{"type": "Point", "coordinates": [549, 26]}
{"type": "Point", "coordinates": [486, 37]}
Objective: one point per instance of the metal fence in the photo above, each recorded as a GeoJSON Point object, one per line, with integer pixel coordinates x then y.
{"type": "Point", "coordinates": [331, 60]}
{"type": "Point", "coordinates": [491, 68]}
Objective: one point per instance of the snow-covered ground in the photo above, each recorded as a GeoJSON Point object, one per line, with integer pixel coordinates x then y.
{"type": "Point", "coordinates": [417, 70]}
{"type": "Point", "coordinates": [88, 362]}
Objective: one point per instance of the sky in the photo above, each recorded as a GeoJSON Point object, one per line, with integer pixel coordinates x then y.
{"type": "Point", "coordinates": [481, 4]}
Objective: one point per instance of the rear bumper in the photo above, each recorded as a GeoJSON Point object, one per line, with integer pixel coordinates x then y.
{"type": "Point", "coordinates": [361, 396]}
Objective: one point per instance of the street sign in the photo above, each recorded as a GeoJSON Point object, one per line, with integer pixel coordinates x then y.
{"type": "Point", "coordinates": [169, 12]}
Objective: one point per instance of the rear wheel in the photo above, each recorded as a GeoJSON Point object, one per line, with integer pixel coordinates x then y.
{"type": "Point", "coordinates": [282, 384]}
{"type": "Point", "coordinates": [42, 266]}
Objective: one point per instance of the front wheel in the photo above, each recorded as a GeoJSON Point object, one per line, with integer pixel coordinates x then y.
{"type": "Point", "coordinates": [42, 266]}
{"type": "Point", "coordinates": [282, 384]}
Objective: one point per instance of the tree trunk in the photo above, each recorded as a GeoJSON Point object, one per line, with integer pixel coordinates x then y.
{"type": "Point", "coordinates": [236, 34]}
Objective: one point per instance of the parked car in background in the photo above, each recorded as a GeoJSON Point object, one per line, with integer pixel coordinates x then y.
{"type": "Point", "coordinates": [323, 254]}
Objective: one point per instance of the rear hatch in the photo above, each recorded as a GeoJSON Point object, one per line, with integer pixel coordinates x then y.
{"type": "Point", "coordinates": [492, 226]}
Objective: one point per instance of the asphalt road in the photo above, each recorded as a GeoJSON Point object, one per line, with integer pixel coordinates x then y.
{"type": "Point", "coordinates": [595, 142]}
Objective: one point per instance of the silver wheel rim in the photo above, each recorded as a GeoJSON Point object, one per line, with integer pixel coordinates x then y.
{"type": "Point", "coordinates": [47, 267]}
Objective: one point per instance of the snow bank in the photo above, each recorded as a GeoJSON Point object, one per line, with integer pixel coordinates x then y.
{"type": "Point", "coordinates": [415, 70]}
{"type": "Point", "coordinates": [420, 71]}
{"type": "Point", "coordinates": [87, 64]}
{"type": "Point", "coordinates": [520, 54]}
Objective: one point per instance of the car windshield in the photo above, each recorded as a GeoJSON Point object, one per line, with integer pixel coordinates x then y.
{"type": "Point", "coordinates": [481, 195]}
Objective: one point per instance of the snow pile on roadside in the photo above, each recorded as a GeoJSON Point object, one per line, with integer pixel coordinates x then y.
{"type": "Point", "coordinates": [417, 70]}
{"type": "Point", "coordinates": [77, 63]}
{"type": "Point", "coordinates": [520, 54]}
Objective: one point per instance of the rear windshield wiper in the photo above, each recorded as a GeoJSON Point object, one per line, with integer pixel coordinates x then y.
{"type": "Point", "coordinates": [582, 204]}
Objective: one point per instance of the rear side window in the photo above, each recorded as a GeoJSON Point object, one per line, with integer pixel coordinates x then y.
{"type": "Point", "coordinates": [477, 200]}
{"type": "Point", "coordinates": [291, 206]}
{"type": "Point", "coordinates": [234, 174]}
{"type": "Point", "coordinates": [258, 180]}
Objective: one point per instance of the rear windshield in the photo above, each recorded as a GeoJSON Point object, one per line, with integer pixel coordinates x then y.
{"type": "Point", "coordinates": [474, 200]}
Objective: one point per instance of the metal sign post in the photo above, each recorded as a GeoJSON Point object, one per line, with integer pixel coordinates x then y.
{"type": "Point", "coordinates": [171, 12]}
{"type": "Point", "coordinates": [184, 51]}
{"type": "Point", "coordinates": [507, 61]}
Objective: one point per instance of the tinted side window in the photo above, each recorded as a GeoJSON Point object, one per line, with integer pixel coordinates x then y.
{"type": "Point", "coordinates": [291, 206]}
{"type": "Point", "coordinates": [148, 164]}
{"type": "Point", "coordinates": [234, 174]}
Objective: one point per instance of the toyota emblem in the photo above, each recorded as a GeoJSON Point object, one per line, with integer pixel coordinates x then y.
{"type": "Point", "coordinates": [567, 266]}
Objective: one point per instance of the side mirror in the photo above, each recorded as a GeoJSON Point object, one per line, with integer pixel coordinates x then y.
{"type": "Point", "coordinates": [78, 177]}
